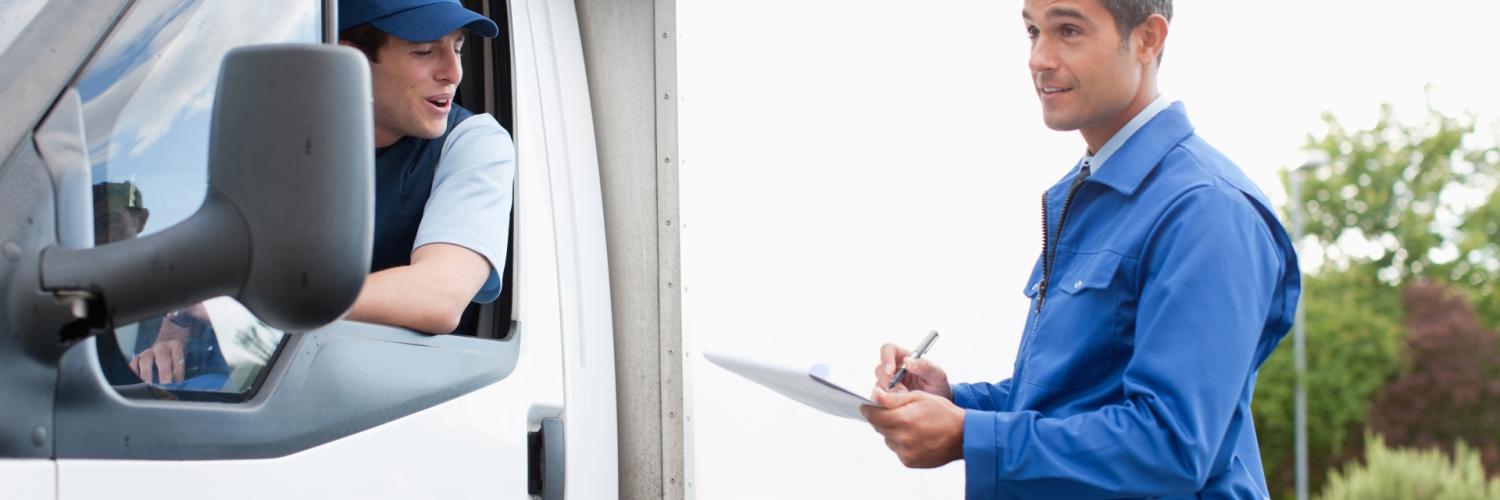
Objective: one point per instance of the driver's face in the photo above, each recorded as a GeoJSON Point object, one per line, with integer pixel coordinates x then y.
{"type": "Point", "coordinates": [413, 85]}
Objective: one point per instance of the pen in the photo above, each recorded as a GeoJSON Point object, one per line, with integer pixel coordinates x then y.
{"type": "Point", "coordinates": [921, 349]}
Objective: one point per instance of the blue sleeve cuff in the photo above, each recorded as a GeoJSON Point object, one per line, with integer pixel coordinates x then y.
{"type": "Point", "coordinates": [965, 397]}
{"type": "Point", "coordinates": [491, 289]}
{"type": "Point", "coordinates": [981, 455]}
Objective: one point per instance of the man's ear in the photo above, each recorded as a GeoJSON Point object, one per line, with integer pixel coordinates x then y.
{"type": "Point", "coordinates": [1151, 39]}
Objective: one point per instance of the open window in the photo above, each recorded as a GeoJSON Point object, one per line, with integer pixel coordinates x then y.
{"type": "Point", "coordinates": [487, 88]}
{"type": "Point", "coordinates": [149, 173]}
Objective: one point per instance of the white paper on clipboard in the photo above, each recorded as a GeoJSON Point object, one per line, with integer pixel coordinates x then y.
{"type": "Point", "coordinates": [810, 386]}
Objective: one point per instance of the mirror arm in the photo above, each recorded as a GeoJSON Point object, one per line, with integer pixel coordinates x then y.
{"type": "Point", "coordinates": [208, 253]}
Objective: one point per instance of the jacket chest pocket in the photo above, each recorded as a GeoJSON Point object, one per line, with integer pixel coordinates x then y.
{"type": "Point", "coordinates": [1080, 337]}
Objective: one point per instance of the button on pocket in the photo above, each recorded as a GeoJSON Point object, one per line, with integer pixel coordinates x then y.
{"type": "Point", "coordinates": [1035, 281]}
{"type": "Point", "coordinates": [1089, 272]}
{"type": "Point", "coordinates": [1078, 340]}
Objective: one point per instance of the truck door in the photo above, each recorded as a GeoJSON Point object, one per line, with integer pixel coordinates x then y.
{"type": "Point", "coordinates": [350, 410]}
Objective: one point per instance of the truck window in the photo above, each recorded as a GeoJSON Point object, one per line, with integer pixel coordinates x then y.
{"type": "Point", "coordinates": [148, 96]}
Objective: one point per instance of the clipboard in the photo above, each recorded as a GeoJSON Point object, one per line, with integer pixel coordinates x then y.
{"type": "Point", "coordinates": [810, 386]}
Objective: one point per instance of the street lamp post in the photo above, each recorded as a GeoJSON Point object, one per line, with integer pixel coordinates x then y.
{"type": "Point", "coordinates": [1315, 159]}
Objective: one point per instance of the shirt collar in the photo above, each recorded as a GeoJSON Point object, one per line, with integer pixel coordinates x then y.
{"type": "Point", "coordinates": [1142, 152]}
{"type": "Point", "coordinates": [1097, 160]}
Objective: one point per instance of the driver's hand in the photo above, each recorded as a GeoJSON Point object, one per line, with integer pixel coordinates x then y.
{"type": "Point", "coordinates": [921, 375]}
{"type": "Point", "coordinates": [165, 356]}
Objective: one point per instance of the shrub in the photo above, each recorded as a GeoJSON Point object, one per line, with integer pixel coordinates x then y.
{"type": "Point", "coordinates": [1402, 474]}
{"type": "Point", "coordinates": [1450, 390]}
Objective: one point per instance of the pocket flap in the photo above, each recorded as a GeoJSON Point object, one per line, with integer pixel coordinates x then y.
{"type": "Point", "coordinates": [1089, 272]}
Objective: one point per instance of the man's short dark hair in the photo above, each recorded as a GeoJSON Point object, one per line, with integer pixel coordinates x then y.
{"type": "Point", "coordinates": [366, 38]}
{"type": "Point", "coordinates": [1131, 13]}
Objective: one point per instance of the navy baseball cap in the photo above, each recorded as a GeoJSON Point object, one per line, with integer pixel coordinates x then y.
{"type": "Point", "coordinates": [414, 20]}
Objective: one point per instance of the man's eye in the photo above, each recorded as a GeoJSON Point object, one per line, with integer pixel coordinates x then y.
{"type": "Point", "coordinates": [423, 53]}
{"type": "Point", "coordinates": [1071, 31]}
{"type": "Point", "coordinates": [1032, 32]}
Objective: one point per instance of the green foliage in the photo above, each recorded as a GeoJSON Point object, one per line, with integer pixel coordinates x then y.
{"type": "Point", "coordinates": [1480, 230]}
{"type": "Point", "coordinates": [1353, 342]}
{"type": "Point", "coordinates": [1400, 474]}
{"type": "Point", "coordinates": [1414, 201]}
{"type": "Point", "coordinates": [1394, 204]}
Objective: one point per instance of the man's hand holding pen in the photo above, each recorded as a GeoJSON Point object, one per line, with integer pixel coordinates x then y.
{"type": "Point", "coordinates": [918, 418]}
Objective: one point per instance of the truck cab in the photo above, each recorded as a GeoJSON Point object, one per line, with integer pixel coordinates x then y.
{"type": "Point", "coordinates": [107, 184]}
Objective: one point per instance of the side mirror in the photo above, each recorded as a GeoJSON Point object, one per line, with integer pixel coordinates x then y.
{"type": "Point", "coordinates": [286, 224]}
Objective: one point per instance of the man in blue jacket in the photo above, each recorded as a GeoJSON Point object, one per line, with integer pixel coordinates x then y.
{"type": "Point", "coordinates": [1163, 283]}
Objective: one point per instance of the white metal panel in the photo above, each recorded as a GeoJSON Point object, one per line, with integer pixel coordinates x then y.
{"type": "Point", "coordinates": [583, 280]}
{"type": "Point", "coordinates": [620, 38]}
{"type": "Point", "coordinates": [28, 479]}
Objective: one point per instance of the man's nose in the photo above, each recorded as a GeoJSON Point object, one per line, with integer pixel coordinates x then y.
{"type": "Point", "coordinates": [1043, 57]}
{"type": "Point", "coordinates": [451, 69]}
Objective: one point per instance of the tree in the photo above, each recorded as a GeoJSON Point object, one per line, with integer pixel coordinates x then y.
{"type": "Point", "coordinates": [1414, 201]}
{"type": "Point", "coordinates": [1451, 389]}
{"type": "Point", "coordinates": [1353, 344]}
{"type": "Point", "coordinates": [1395, 203]}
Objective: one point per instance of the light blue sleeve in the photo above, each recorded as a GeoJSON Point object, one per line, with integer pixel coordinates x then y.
{"type": "Point", "coordinates": [471, 196]}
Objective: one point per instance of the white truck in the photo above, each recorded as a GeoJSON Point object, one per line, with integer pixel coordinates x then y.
{"type": "Point", "coordinates": [160, 153]}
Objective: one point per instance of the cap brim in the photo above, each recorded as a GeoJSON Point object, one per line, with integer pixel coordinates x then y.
{"type": "Point", "coordinates": [431, 22]}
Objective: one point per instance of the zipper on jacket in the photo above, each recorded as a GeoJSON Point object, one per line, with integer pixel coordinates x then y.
{"type": "Point", "coordinates": [1042, 285]}
{"type": "Point", "coordinates": [1034, 320]}
{"type": "Point", "coordinates": [1049, 250]}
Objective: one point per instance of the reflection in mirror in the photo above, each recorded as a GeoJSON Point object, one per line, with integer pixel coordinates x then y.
{"type": "Point", "coordinates": [216, 346]}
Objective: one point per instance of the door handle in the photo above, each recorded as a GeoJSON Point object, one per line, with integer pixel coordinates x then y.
{"type": "Point", "coordinates": [547, 464]}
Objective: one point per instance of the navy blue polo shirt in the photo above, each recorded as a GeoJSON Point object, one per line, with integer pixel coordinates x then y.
{"type": "Point", "coordinates": [454, 189]}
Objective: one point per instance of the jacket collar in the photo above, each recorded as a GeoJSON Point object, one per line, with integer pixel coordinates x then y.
{"type": "Point", "coordinates": [1140, 155]}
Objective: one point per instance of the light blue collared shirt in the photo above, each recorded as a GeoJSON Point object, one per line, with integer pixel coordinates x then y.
{"type": "Point", "coordinates": [1097, 159]}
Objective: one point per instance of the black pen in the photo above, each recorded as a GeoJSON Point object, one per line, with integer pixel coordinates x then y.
{"type": "Point", "coordinates": [921, 349]}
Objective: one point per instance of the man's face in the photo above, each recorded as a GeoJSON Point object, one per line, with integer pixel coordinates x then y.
{"type": "Point", "coordinates": [1079, 71]}
{"type": "Point", "coordinates": [413, 85]}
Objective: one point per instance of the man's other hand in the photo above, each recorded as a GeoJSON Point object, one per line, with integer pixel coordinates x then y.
{"type": "Point", "coordinates": [925, 430]}
{"type": "Point", "coordinates": [165, 362]}
{"type": "Point", "coordinates": [921, 375]}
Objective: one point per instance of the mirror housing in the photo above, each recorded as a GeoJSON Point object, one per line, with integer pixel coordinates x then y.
{"type": "Point", "coordinates": [286, 225]}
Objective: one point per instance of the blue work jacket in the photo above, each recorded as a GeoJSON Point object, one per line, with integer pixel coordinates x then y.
{"type": "Point", "coordinates": [1172, 282]}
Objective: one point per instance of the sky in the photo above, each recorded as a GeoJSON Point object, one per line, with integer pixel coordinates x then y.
{"type": "Point", "coordinates": [859, 172]}
{"type": "Point", "coordinates": [125, 91]}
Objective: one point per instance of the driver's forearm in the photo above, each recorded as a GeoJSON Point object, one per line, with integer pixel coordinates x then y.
{"type": "Point", "coordinates": [403, 296]}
